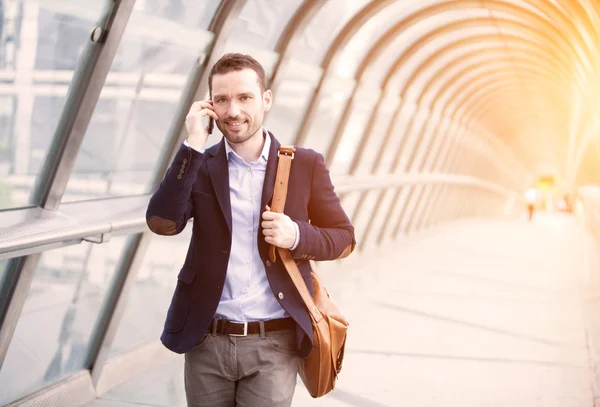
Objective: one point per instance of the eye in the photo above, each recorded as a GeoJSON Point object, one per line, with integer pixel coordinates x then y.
{"type": "Point", "coordinates": [245, 98]}
{"type": "Point", "coordinates": [220, 101]}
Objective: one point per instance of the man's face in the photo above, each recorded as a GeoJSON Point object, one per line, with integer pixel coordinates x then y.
{"type": "Point", "coordinates": [240, 104]}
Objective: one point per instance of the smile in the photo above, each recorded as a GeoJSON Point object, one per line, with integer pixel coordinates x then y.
{"type": "Point", "coordinates": [235, 125]}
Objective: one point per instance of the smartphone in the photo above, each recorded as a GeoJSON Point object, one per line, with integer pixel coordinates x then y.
{"type": "Point", "coordinates": [211, 122]}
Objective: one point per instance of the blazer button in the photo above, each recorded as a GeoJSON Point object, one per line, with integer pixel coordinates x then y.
{"type": "Point", "coordinates": [268, 263]}
{"type": "Point", "coordinates": [280, 295]}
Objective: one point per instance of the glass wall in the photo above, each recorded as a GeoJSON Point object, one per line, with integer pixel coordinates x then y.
{"type": "Point", "coordinates": [292, 97]}
{"type": "Point", "coordinates": [40, 45]}
{"type": "Point", "coordinates": [54, 332]}
{"type": "Point", "coordinates": [138, 102]}
{"type": "Point", "coordinates": [150, 297]}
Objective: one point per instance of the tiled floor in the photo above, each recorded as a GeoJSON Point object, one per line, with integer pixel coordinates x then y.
{"type": "Point", "coordinates": [475, 314]}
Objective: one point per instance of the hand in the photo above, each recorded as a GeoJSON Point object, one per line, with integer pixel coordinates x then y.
{"type": "Point", "coordinates": [278, 228]}
{"type": "Point", "coordinates": [197, 132]}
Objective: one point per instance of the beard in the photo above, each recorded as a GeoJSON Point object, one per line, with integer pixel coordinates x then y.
{"type": "Point", "coordinates": [238, 130]}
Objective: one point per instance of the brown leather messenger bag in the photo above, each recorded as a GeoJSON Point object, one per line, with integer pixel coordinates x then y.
{"type": "Point", "coordinates": [320, 369]}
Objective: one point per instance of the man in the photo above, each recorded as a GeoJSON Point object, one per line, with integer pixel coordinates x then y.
{"type": "Point", "coordinates": [237, 317]}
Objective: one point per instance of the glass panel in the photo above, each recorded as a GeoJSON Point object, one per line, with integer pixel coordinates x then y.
{"type": "Point", "coordinates": [397, 134]}
{"type": "Point", "coordinates": [443, 68]}
{"type": "Point", "coordinates": [413, 33]}
{"type": "Point", "coordinates": [261, 22]}
{"type": "Point", "coordinates": [423, 205]}
{"type": "Point", "coordinates": [291, 101]}
{"type": "Point", "coordinates": [323, 28]}
{"type": "Point", "coordinates": [360, 113]}
{"type": "Point", "coordinates": [4, 280]}
{"type": "Point", "coordinates": [349, 202]}
{"type": "Point", "coordinates": [192, 14]}
{"type": "Point", "coordinates": [150, 297]}
{"type": "Point", "coordinates": [54, 331]}
{"type": "Point", "coordinates": [369, 214]}
{"type": "Point", "coordinates": [379, 131]}
{"type": "Point", "coordinates": [334, 96]}
{"type": "Point", "coordinates": [366, 36]}
{"type": "Point", "coordinates": [408, 211]}
{"type": "Point", "coordinates": [40, 43]}
{"type": "Point", "coordinates": [130, 122]}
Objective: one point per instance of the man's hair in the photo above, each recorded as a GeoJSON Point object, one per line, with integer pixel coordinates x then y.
{"type": "Point", "coordinates": [237, 62]}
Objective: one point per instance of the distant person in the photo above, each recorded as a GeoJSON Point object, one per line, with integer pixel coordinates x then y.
{"type": "Point", "coordinates": [531, 198]}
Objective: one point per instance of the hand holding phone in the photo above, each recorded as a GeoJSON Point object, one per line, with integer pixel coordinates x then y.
{"type": "Point", "coordinates": [194, 122]}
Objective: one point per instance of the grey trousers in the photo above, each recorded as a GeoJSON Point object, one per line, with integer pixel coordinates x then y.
{"type": "Point", "coordinates": [250, 371]}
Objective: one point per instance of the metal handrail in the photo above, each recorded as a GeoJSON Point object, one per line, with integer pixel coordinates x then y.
{"type": "Point", "coordinates": [31, 230]}
{"type": "Point", "coordinates": [358, 183]}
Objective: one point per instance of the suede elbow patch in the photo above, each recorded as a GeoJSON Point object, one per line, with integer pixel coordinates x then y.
{"type": "Point", "coordinates": [162, 226]}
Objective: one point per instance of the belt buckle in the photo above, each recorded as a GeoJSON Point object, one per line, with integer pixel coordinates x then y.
{"type": "Point", "coordinates": [245, 328]}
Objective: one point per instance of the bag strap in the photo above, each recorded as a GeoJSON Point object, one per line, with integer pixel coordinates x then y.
{"type": "Point", "coordinates": [284, 165]}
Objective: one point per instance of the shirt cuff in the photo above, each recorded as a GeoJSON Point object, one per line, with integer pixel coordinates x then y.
{"type": "Point", "coordinates": [185, 143]}
{"type": "Point", "coordinates": [297, 237]}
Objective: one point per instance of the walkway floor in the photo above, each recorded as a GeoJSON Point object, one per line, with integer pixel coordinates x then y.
{"type": "Point", "coordinates": [474, 314]}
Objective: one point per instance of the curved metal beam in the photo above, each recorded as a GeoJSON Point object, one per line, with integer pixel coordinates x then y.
{"type": "Point", "coordinates": [459, 44]}
{"type": "Point", "coordinates": [472, 103]}
{"type": "Point", "coordinates": [440, 31]}
{"type": "Point", "coordinates": [487, 101]}
{"type": "Point", "coordinates": [552, 36]}
{"type": "Point", "coordinates": [485, 76]}
{"type": "Point", "coordinates": [481, 83]}
{"type": "Point", "coordinates": [415, 18]}
{"type": "Point", "coordinates": [493, 87]}
{"type": "Point", "coordinates": [487, 42]}
{"type": "Point", "coordinates": [471, 70]}
{"type": "Point", "coordinates": [289, 38]}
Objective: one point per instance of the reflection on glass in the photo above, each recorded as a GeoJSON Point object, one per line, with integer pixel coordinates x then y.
{"type": "Point", "coordinates": [150, 297]}
{"type": "Point", "coordinates": [364, 39]}
{"type": "Point", "coordinates": [333, 99]}
{"type": "Point", "coordinates": [261, 22]}
{"type": "Point", "coordinates": [129, 126]}
{"type": "Point", "coordinates": [192, 14]}
{"type": "Point", "coordinates": [368, 157]}
{"type": "Point", "coordinates": [53, 334]}
{"type": "Point", "coordinates": [323, 28]}
{"type": "Point", "coordinates": [3, 282]}
{"type": "Point", "coordinates": [291, 101]}
{"type": "Point", "coordinates": [350, 202]}
{"type": "Point", "coordinates": [360, 114]}
{"type": "Point", "coordinates": [40, 43]}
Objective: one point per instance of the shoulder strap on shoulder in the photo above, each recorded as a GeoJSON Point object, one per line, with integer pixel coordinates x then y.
{"type": "Point", "coordinates": [284, 165]}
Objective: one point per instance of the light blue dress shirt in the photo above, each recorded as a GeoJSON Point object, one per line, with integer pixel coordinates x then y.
{"type": "Point", "coordinates": [247, 295]}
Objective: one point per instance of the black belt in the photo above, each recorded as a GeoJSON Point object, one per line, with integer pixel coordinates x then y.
{"type": "Point", "coordinates": [246, 328]}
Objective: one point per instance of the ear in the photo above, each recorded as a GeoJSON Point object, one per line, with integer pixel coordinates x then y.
{"type": "Point", "coordinates": [267, 99]}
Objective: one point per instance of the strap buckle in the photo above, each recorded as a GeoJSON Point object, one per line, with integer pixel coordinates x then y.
{"type": "Point", "coordinates": [245, 328]}
{"type": "Point", "coordinates": [287, 151]}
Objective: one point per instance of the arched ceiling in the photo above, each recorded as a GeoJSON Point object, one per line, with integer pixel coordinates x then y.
{"type": "Point", "coordinates": [524, 71]}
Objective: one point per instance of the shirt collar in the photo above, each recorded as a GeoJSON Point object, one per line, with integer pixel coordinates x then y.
{"type": "Point", "coordinates": [265, 151]}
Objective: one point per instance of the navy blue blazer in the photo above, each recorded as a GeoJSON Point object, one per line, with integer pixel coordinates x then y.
{"type": "Point", "coordinates": [196, 186]}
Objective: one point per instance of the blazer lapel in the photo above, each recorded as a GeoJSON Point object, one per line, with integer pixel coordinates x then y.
{"type": "Point", "coordinates": [219, 176]}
